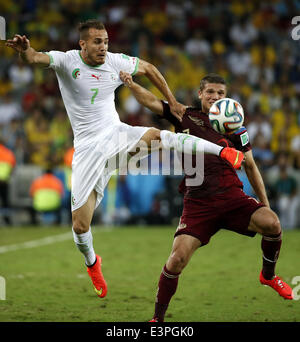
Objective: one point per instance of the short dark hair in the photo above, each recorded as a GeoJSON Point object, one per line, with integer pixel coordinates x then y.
{"type": "Point", "coordinates": [211, 78]}
{"type": "Point", "coordinates": [84, 27]}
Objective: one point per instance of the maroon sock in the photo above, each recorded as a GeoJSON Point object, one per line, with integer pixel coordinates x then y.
{"type": "Point", "coordinates": [167, 286]}
{"type": "Point", "coordinates": [270, 245]}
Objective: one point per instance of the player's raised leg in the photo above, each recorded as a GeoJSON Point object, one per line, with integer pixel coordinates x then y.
{"type": "Point", "coordinates": [192, 145]}
{"type": "Point", "coordinates": [266, 222]}
{"type": "Point", "coordinates": [83, 238]}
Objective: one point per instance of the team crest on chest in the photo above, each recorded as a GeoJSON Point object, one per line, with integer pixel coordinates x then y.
{"type": "Point", "coordinates": [197, 121]}
{"type": "Point", "coordinates": [76, 73]}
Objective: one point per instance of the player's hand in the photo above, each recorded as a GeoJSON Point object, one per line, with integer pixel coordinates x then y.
{"type": "Point", "coordinates": [126, 78]}
{"type": "Point", "coordinates": [19, 43]}
{"type": "Point", "coordinates": [178, 110]}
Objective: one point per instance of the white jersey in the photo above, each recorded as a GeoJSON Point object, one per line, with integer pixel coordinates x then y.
{"type": "Point", "coordinates": [88, 91]}
{"type": "Point", "coordinates": [88, 95]}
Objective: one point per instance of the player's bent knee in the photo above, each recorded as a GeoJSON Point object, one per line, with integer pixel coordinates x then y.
{"type": "Point", "coordinates": [177, 262]}
{"type": "Point", "coordinates": [273, 227]}
{"type": "Point", "coordinates": [265, 221]}
{"type": "Point", "coordinates": [79, 226]}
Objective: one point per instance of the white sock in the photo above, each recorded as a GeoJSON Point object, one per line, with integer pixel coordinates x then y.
{"type": "Point", "coordinates": [188, 143]}
{"type": "Point", "coordinates": [84, 243]}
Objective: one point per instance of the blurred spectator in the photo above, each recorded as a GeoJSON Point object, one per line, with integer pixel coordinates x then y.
{"type": "Point", "coordinates": [243, 31]}
{"type": "Point", "coordinates": [155, 19]}
{"type": "Point", "coordinates": [287, 67]}
{"type": "Point", "coordinates": [31, 97]}
{"type": "Point", "coordinates": [259, 124]}
{"type": "Point", "coordinates": [261, 71]}
{"type": "Point", "coordinates": [261, 99]}
{"type": "Point", "coordinates": [239, 60]}
{"type": "Point", "coordinates": [141, 201]}
{"type": "Point", "coordinates": [64, 173]}
{"type": "Point", "coordinates": [20, 75]}
{"type": "Point", "coordinates": [197, 45]}
{"type": "Point", "coordinates": [117, 12]}
{"type": "Point", "coordinates": [14, 139]}
{"type": "Point", "coordinates": [287, 198]}
{"type": "Point", "coordinates": [7, 164]}
{"type": "Point", "coordinates": [50, 88]}
{"type": "Point", "coordinates": [11, 132]}
{"type": "Point", "coordinates": [295, 149]}
{"type": "Point", "coordinates": [9, 109]}
{"type": "Point", "coordinates": [68, 158]}
{"type": "Point", "coordinates": [263, 53]}
{"type": "Point", "coordinates": [47, 192]}
{"type": "Point", "coordinates": [285, 127]}
{"type": "Point", "coordinates": [39, 139]}
{"type": "Point", "coordinates": [108, 205]}
{"type": "Point", "coordinates": [261, 151]}
{"type": "Point", "coordinates": [61, 135]}
{"type": "Point", "coordinates": [280, 160]}
{"type": "Point", "coordinates": [6, 86]}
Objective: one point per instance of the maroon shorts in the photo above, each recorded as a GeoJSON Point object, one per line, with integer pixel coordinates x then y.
{"type": "Point", "coordinates": [203, 217]}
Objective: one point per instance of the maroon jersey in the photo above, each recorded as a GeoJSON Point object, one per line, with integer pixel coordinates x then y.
{"type": "Point", "coordinates": [219, 175]}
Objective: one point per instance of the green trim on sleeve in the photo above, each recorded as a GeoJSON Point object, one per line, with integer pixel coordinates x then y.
{"type": "Point", "coordinates": [136, 66]}
{"type": "Point", "coordinates": [51, 57]}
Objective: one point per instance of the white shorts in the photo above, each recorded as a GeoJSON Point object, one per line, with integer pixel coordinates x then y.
{"type": "Point", "coordinates": [94, 164]}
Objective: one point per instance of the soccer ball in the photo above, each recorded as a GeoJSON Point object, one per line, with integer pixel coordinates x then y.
{"type": "Point", "coordinates": [226, 115]}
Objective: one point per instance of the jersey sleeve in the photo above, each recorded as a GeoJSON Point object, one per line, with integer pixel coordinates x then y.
{"type": "Point", "coordinates": [57, 60]}
{"type": "Point", "coordinates": [122, 62]}
{"type": "Point", "coordinates": [240, 139]}
{"type": "Point", "coordinates": [168, 115]}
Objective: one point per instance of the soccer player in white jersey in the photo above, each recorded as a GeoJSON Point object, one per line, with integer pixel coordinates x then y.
{"type": "Point", "coordinates": [87, 80]}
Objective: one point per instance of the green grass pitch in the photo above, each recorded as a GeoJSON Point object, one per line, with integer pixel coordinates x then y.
{"type": "Point", "coordinates": [49, 283]}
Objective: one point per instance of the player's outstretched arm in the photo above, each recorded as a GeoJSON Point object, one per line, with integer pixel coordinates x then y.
{"type": "Point", "coordinates": [22, 45]}
{"type": "Point", "coordinates": [153, 74]}
{"type": "Point", "coordinates": [143, 96]}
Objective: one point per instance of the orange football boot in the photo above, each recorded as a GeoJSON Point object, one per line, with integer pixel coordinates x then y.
{"type": "Point", "coordinates": [233, 156]}
{"type": "Point", "coordinates": [97, 278]}
{"type": "Point", "coordinates": [278, 285]}
{"type": "Point", "coordinates": [153, 320]}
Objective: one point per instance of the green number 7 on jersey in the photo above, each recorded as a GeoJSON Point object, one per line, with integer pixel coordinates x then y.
{"type": "Point", "coordinates": [95, 91]}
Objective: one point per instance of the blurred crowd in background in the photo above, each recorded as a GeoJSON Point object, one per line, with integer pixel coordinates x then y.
{"type": "Point", "coordinates": [248, 42]}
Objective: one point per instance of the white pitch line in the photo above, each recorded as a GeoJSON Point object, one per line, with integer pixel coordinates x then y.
{"type": "Point", "coordinates": [36, 243]}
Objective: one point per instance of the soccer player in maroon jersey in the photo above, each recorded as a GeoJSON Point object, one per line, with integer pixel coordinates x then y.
{"type": "Point", "coordinates": [219, 202]}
